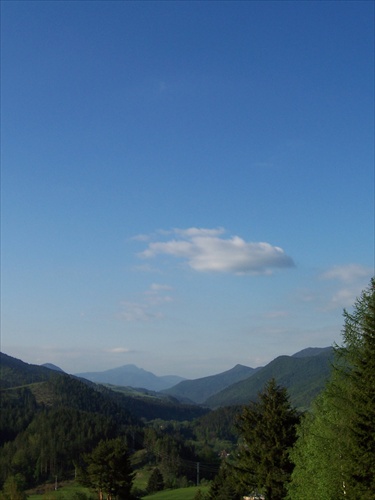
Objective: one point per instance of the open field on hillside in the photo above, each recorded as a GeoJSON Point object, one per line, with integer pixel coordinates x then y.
{"type": "Point", "coordinates": [65, 491]}
{"type": "Point", "coordinates": [180, 494]}
{"type": "Point", "coordinates": [71, 490]}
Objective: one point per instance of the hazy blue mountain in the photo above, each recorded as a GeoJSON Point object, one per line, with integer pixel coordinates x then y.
{"type": "Point", "coordinates": [198, 390]}
{"type": "Point", "coordinates": [131, 375]}
{"type": "Point", "coordinates": [303, 376]}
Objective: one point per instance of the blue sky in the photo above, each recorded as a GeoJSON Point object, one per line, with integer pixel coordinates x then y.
{"type": "Point", "coordinates": [185, 185]}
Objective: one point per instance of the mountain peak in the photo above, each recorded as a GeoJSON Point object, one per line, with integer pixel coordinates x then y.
{"type": "Point", "coordinates": [51, 366]}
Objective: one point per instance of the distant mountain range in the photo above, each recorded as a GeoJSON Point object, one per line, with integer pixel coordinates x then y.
{"type": "Point", "coordinates": [53, 387]}
{"type": "Point", "coordinates": [304, 374]}
{"type": "Point", "coordinates": [132, 376]}
{"type": "Point", "coordinates": [199, 390]}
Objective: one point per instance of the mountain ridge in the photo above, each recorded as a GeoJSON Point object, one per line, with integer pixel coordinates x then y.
{"type": "Point", "coordinates": [303, 376]}
{"type": "Point", "coordinates": [130, 375]}
{"type": "Point", "coordinates": [199, 390]}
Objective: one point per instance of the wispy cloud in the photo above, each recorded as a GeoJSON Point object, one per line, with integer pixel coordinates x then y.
{"type": "Point", "coordinates": [347, 273]}
{"type": "Point", "coordinates": [207, 250]}
{"type": "Point", "coordinates": [147, 307]}
{"type": "Point", "coordinates": [351, 279]}
{"type": "Point", "coordinates": [117, 350]}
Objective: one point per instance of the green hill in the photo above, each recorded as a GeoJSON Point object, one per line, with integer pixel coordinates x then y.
{"type": "Point", "coordinates": [199, 390]}
{"type": "Point", "coordinates": [303, 376]}
{"type": "Point", "coordinates": [49, 419]}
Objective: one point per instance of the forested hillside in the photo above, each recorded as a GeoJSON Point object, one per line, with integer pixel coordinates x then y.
{"type": "Point", "coordinates": [49, 420]}
{"type": "Point", "coordinates": [303, 376]}
{"type": "Point", "coordinates": [199, 390]}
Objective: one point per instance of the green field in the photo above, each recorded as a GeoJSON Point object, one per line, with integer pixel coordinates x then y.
{"type": "Point", "coordinates": [180, 494]}
{"type": "Point", "coordinates": [71, 491]}
{"type": "Point", "coordinates": [66, 491]}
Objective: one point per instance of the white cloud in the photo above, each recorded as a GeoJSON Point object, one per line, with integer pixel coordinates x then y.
{"type": "Point", "coordinates": [353, 278]}
{"type": "Point", "coordinates": [118, 350]}
{"type": "Point", "coordinates": [204, 250]}
{"type": "Point", "coordinates": [347, 273]}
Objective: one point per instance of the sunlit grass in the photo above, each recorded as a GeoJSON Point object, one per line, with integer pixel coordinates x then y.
{"type": "Point", "coordinates": [179, 494]}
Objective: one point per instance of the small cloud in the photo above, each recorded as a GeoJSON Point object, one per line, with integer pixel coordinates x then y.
{"type": "Point", "coordinates": [156, 287]}
{"type": "Point", "coordinates": [206, 250]}
{"type": "Point", "coordinates": [118, 350]}
{"type": "Point", "coordinates": [198, 231]}
{"type": "Point", "coordinates": [347, 273]}
{"type": "Point", "coordinates": [140, 237]}
{"type": "Point", "coordinates": [352, 278]}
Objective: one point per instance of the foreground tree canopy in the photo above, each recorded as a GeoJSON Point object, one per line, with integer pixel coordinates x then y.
{"type": "Point", "coordinates": [109, 471]}
{"type": "Point", "coordinates": [335, 451]}
{"type": "Point", "coordinates": [268, 431]}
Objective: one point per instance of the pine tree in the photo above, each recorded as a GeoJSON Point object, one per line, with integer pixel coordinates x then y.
{"type": "Point", "coordinates": [335, 453]}
{"type": "Point", "coordinates": [361, 325]}
{"type": "Point", "coordinates": [156, 481]}
{"type": "Point", "coordinates": [224, 486]}
{"type": "Point", "coordinates": [109, 470]}
{"type": "Point", "coordinates": [268, 430]}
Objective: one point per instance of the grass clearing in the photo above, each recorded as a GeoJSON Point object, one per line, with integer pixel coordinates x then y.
{"type": "Point", "coordinates": [179, 494]}
{"type": "Point", "coordinates": [66, 491]}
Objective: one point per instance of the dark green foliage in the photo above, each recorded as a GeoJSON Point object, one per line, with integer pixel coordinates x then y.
{"type": "Point", "coordinates": [150, 408]}
{"type": "Point", "coordinates": [360, 348]}
{"type": "Point", "coordinates": [48, 425]}
{"type": "Point", "coordinates": [109, 471]}
{"type": "Point", "coordinates": [13, 489]}
{"type": "Point", "coordinates": [225, 486]}
{"type": "Point", "coordinates": [171, 454]}
{"type": "Point", "coordinates": [268, 431]}
{"type": "Point", "coordinates": [200, 495]}
{"type": "Point", "coordinates": [14, 372]}
{"type": "Point", "coordinates": [156, 481]}
{"type": "Point", "coordinates": [335, 451]}
{"type": "Point", "coordinates": [218, 424]}
{"type": "Point", "coordinates": [17, 409]}
{"type": "Point", "coordinates": [53, 442]}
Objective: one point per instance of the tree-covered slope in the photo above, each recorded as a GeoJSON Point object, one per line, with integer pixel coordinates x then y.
{"type": "Point", "coordinates": [14, 372]}
{"type": "Point", "coordinates": [199, 390]}
{"type": "Point", "coordinates": [304, 377]}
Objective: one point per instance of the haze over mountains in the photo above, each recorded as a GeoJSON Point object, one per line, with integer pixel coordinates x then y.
{"type": "Point", "coordinates": [303, 374]}
{"type": "Point", "coordinates": [132, 376]}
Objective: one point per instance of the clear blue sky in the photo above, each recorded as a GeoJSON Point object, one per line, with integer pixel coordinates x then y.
{"type": "Point", "coordinates": [185, 185]}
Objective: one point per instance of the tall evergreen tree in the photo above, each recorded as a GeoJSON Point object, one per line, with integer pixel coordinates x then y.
{"type": "Point", "coordinates": [361, 326]}
{"type": "Point", "coordinates": [109, 470]}
{"type": "Point", "coordinates": [335, 453]}
{"type": "Point", "coordinates": [268, 431]}
{"type": "Point", "coordinates": [156, 481]}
